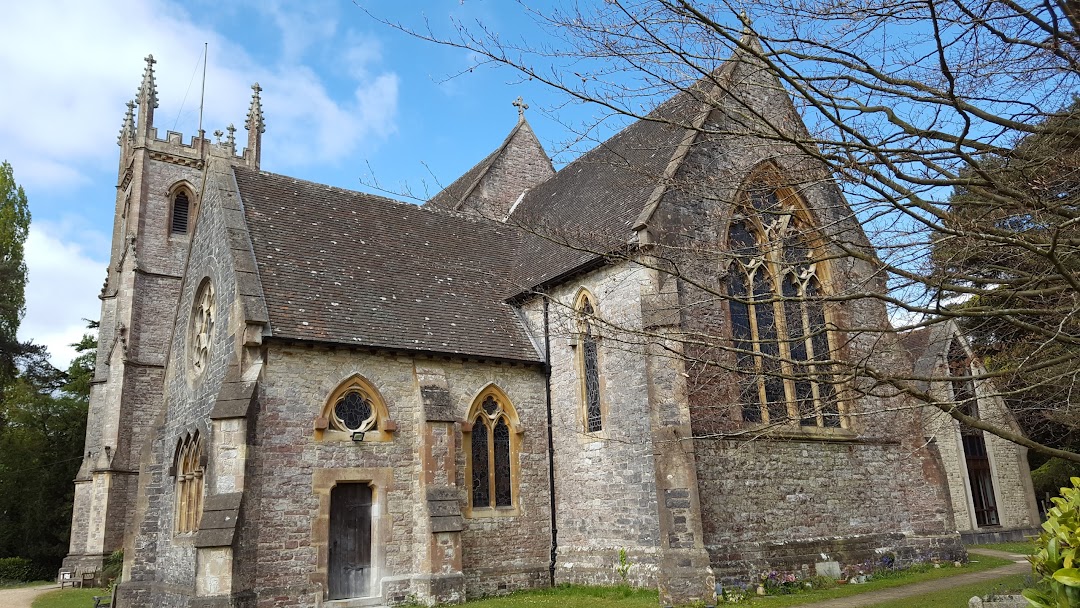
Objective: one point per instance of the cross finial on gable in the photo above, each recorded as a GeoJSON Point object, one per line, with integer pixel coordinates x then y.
{"type": "Point", "coordinates": [520, 104]}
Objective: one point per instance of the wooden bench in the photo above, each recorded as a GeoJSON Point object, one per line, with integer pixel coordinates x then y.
{"type": "Point", "coordinates": [67, 577]}
{"type": "Point", "coordinates": [102, 601]}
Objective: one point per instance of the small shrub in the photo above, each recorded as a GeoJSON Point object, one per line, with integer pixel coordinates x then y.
{"type": "Point", "coordinates": [1058, 553]}
{"type": "Point", "coordinates": [623, 567]}
{"type": "Point", "coordinates": [822, 582]}
{"type": "Point", "coordinates": [20, 570]}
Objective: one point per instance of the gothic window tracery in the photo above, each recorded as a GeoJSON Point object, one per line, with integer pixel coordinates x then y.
{"type": "Point", "coordinates": [355, 411]}
{"type": "Point", "coordinates": [777, 314]}
{"type": "Point", "coordinates": [590, 365]}
{"type": "Point", "coordinates": [189, 483]}
{"type": "Point", "coordinates": [203, 317]}
{"type": "Point", "coordinates": [492, 447]}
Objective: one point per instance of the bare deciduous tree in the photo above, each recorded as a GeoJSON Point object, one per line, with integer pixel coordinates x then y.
{"type": "Point", "coordinates": [949, 126]}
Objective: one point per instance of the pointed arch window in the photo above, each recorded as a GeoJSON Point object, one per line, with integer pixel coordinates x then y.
{"type": "Point", "coordinates": [354, 411]}
{"type": "Point", "coordinates": [590, 362]}
{"type": "Point", "coordinates": [492, 452]}
{"type": "Point", "coordinates": [189, 469]}
{"type": "Point", "coordinates": [779, 329]}
{"type": "Point", "coordinates": [181, 210]}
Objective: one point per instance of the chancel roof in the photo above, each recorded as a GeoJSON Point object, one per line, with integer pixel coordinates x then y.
{"type": "Point", "coordinates": [352, 268]}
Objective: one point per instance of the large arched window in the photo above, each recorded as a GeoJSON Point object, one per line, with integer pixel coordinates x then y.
{"type": "Point", "coordinates": [585, 307]}
{"type": "Point", "coordinates": [778, 322]}
{"type": "Point", "coordinates": [492, 451]}
{"type": "Point", "coordinates": [189, 483]}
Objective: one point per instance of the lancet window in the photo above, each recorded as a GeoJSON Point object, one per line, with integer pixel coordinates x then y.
{"type": "Point", "coordinates": [189, 483]}
{"type": "Point", "coordinates": [777, 311]}
{"type": "Point", "coordinates": [181, 207]}
{"type": "Point", "coordinates": [590, 364]}
{"type": "Point", "coordinates": [492, 449]}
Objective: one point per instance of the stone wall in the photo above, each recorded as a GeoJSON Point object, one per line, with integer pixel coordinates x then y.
{"type": "Point", "coordinates": [162, 562]}
{"type": "Point", "coordinates": [604, 482]}
{"type": "Point", "coordinates": [283, 523]}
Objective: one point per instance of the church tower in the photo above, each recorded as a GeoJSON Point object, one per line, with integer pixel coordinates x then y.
{"type": "Point", "coordinates": [158, 191]}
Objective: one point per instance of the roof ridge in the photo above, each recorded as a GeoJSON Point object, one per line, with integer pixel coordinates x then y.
{"type": "Point", "coordinates": [321, 186]}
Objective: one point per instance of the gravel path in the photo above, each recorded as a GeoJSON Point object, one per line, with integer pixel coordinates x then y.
{"type": "Point", "coordinates": [1020, 566]}
{"type": "Point", "coordinates": [21, 597]}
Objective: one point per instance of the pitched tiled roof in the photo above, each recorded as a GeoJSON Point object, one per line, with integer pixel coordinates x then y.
{"type": "Point", "coordinates": [352, 268]}
{"type": "Point", "coordinates": [593, 204]}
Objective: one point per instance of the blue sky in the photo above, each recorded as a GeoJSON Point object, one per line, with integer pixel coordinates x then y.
{"type": "Point", "coordinates": [346, 99]}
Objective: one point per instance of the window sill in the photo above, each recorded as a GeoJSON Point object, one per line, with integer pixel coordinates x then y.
{"type": "Point", "coordinates": [800, 433]}
{"type": "Point", "coordinates": [492, 513]}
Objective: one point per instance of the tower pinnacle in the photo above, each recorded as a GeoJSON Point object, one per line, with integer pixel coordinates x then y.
{"type": "Point", "coordinates": [127, 130]}
{"type": "Point", "coordinates": [255, 127]}
{"type": "Point", "coordinates": [147, 97]}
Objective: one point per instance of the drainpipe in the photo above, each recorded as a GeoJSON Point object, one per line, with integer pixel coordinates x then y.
{"type": "Point", "coordinates": [550, 442]}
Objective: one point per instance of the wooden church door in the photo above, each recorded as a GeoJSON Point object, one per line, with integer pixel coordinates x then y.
{"type": "Point", "coordinates": [350, 541]}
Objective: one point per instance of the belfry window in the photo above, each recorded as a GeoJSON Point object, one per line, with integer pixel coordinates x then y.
{"type": "Point", "coordinates": [181, 208]}
{"type": "Point", "coordinates": [777, 314]}
{"type": "Point", "coordinates": [492, 449]}
{"type": "Point", "coordinates": [590, 364]}
{"type": "Point", "coordinates": [189, 483]}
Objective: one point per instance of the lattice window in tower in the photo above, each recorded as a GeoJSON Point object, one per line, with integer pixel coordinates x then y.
{"type": "Point", "coordinates": [776, 306]}
{"type": "Point", "coordinates": [180, 211]}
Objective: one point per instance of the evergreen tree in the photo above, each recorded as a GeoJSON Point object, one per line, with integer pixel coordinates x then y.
{"type": "Point", "coordinates": [14, 227]}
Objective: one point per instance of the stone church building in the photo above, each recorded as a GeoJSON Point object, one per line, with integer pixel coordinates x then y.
{"type": "Point", "coordinates": [307, 396]}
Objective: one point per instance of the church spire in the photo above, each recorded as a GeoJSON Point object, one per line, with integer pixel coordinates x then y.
{"type": "Point", "coordinates": [147, 97]}
{"type": "Point", "coordinates": [127, 130]}
{"type": "Point", "coordinates": [255, 127]}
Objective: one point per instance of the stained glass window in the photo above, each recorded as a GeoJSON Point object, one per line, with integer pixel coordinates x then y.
{"type": "Point", "coordinates": [354, 412]}
{"type": "Point", "coordinates": [777, 315]}
{"type": "Point", "coordinates": [591, 367]}
{"type": "Point", "coordinates": [491, 453]}
{"type": "Point", "coordinates": [502, 463]}
{"type": "Point", "coordinates": [481, 476]}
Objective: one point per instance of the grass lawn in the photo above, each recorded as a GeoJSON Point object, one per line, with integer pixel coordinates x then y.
{"type": "Point", "coordinates": [21, 585]}
{"type": "Point", "coordinates": [958, 597]}
{"type": "Point", "coordinates": [1021, 548]}
{"type": "Point", "coordinates": [573, 597]}
{"type": "Point", "coordinates": [977, 564]}
{"type": "Point", "coordinates": [68, 598]}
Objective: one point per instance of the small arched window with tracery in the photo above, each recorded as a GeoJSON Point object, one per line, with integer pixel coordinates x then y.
{"type": "Point", "coordinates": [590, 363]}
{"type": "Point", "coordinates": [493, 445]}
{"type": "Point", "coordinates": [189, 483]}
{"type": "Point", "coordinates": [777, 311]}
{"type": "Point", "coordinates": [355, 411]}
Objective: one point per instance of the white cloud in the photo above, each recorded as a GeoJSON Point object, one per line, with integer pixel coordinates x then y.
{"type": "Point", "coordinates": [70, 66]}
{"type": "Point", "coordinates": [63, 280]}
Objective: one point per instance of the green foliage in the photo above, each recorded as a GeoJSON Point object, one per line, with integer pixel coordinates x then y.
{"type": "Point", "coordinates": [41, 441]}
{"type": "Point", "coordinates": [1058, 556]}
{"type": "Point", "coordinates": [622, 568]}
{"type": "Point", "coordinates": [14, 227]}
{"type": "Point", "coordinates": [21, 570]}
{"type": "Point", "coordinates": [113, 565]}
{"type": "Point", "coordinates": [1053, 475]}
